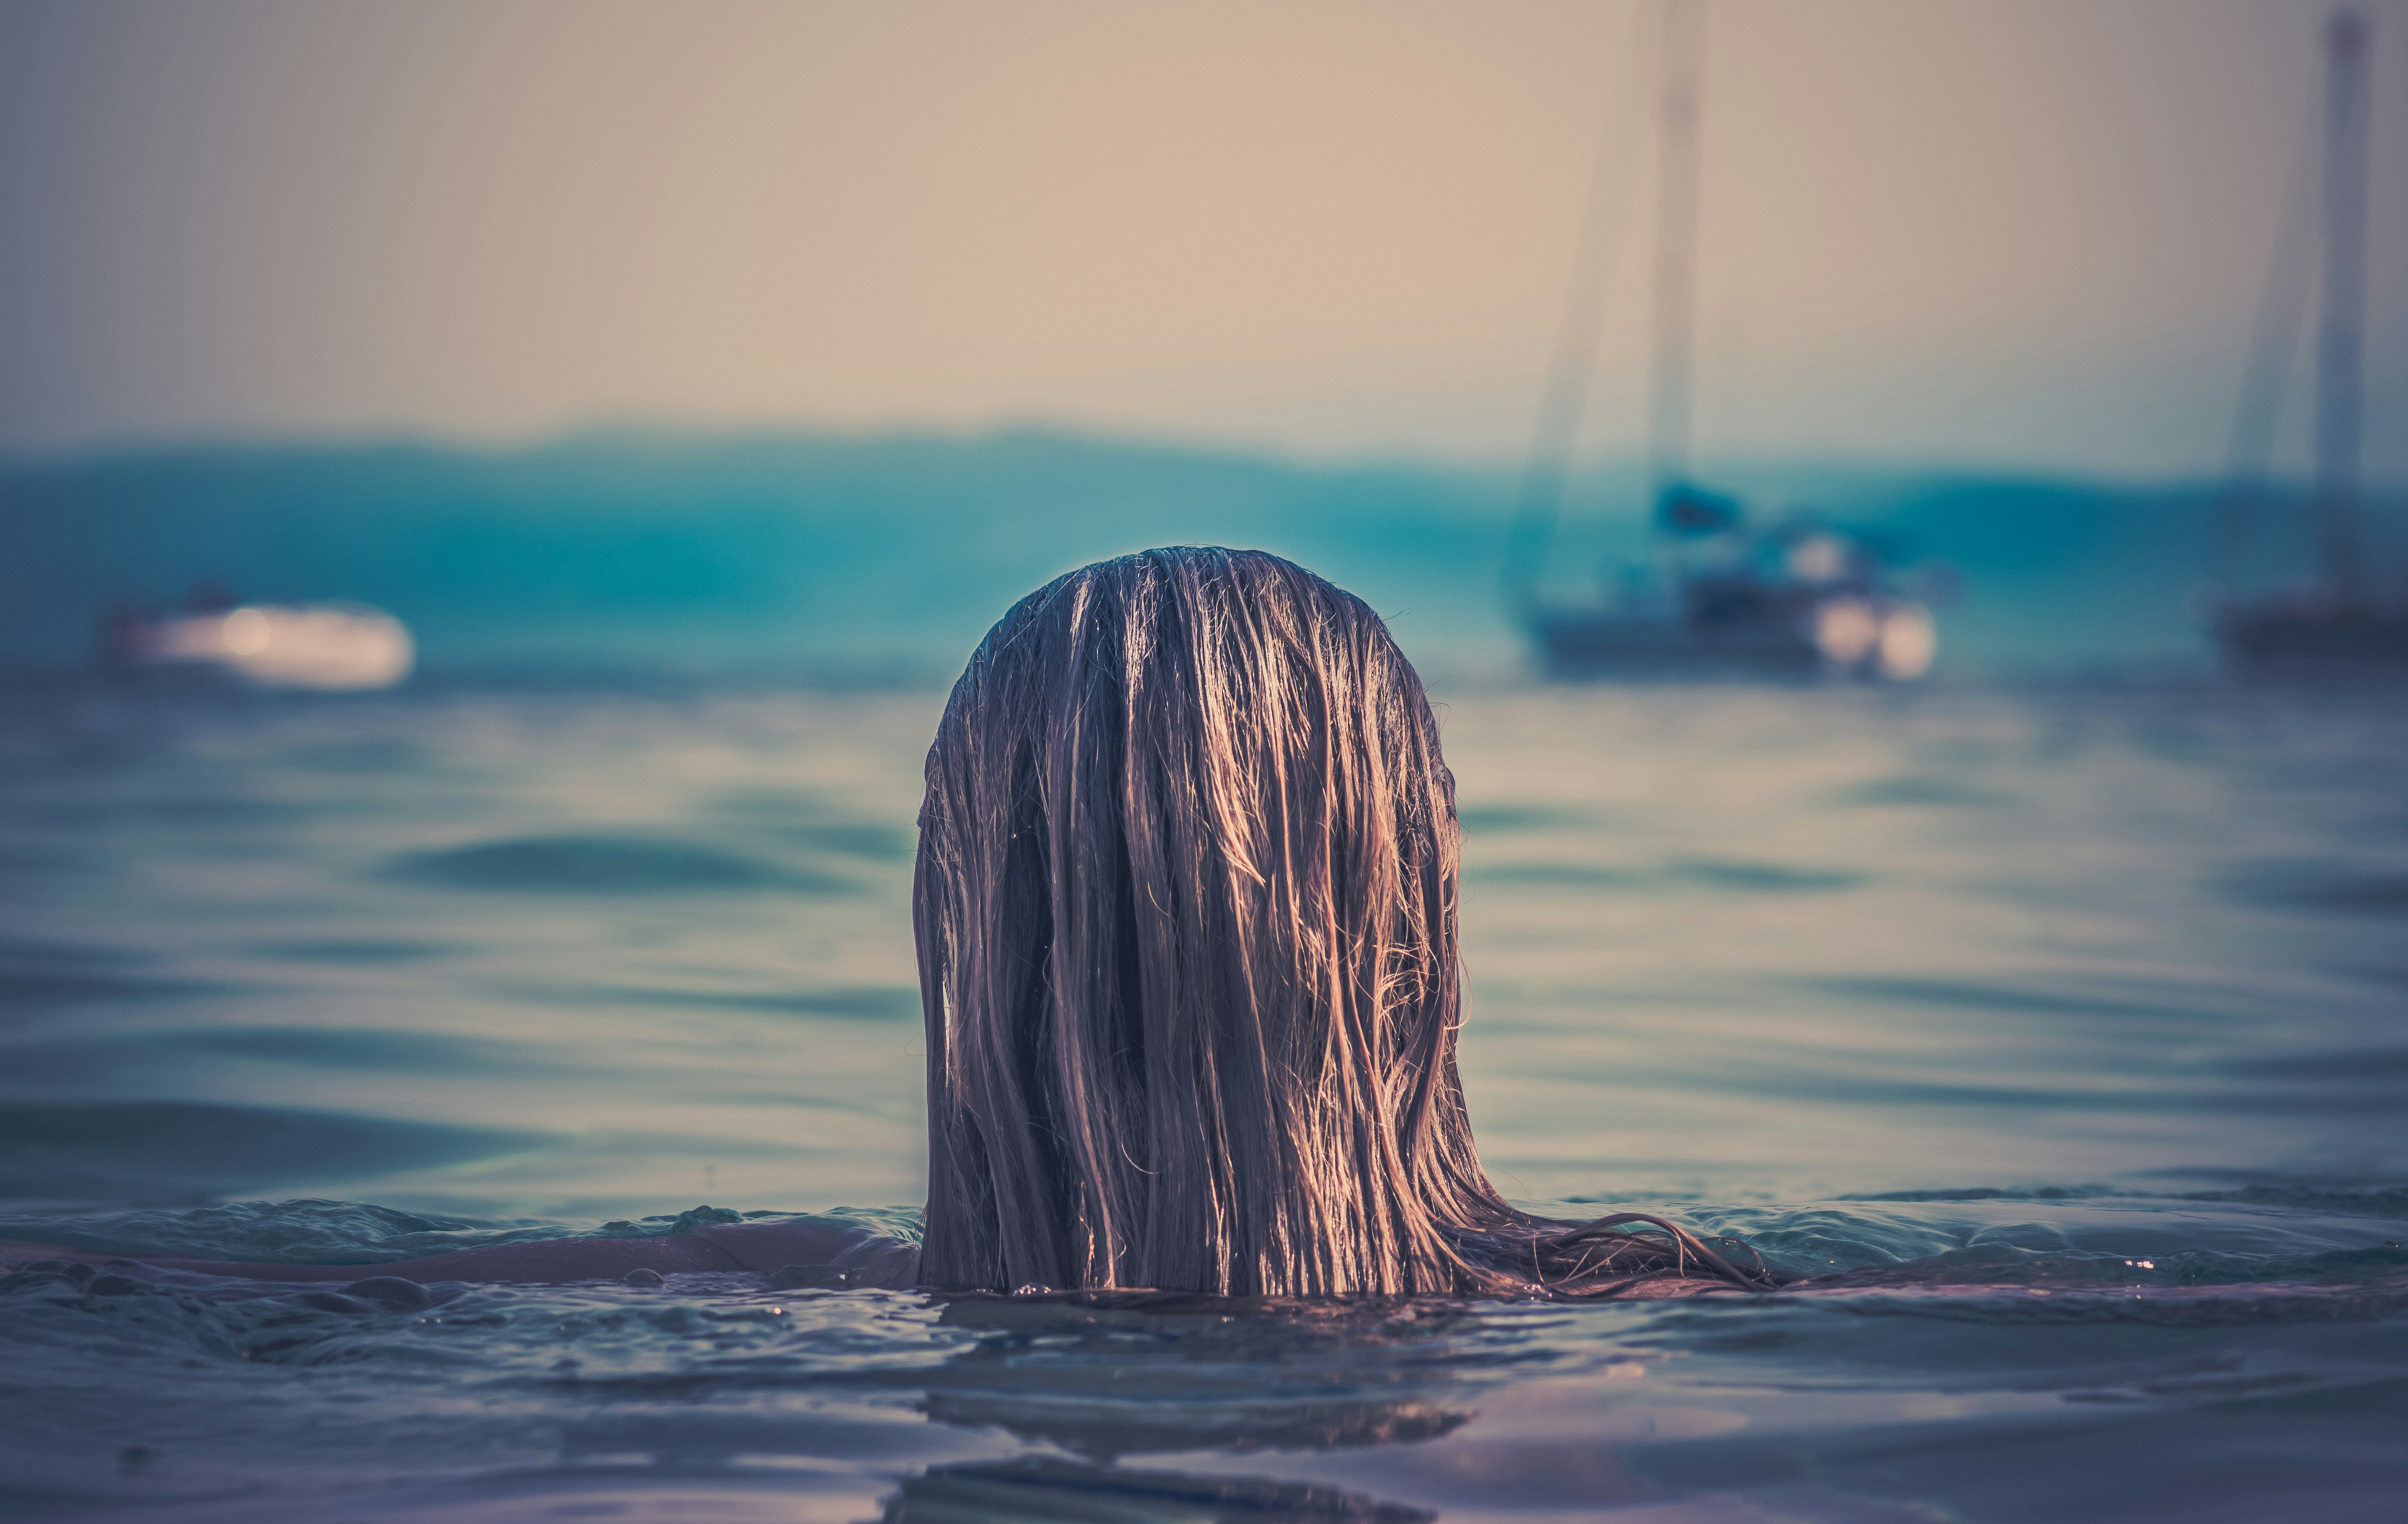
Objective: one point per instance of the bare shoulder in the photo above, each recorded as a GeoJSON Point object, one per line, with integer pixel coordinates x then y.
{"type": "Point", "coordinates": [1683, 1285]}
{"type": "Point", "coordinates": [768, 1244]}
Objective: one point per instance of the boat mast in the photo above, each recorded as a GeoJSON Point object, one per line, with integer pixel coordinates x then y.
{"type": "Point", "coordinates": [2340, 358]}
{"type": "Point", "coordinates": [1676, 240]}
{"type": "Point", "coordinates": [1548, 469]}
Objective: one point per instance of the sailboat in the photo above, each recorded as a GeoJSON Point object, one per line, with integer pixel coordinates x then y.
{"type": "Point", "coordinates": [2336, 627]}
{"type": "Point", "coordinates": [1792, 600]}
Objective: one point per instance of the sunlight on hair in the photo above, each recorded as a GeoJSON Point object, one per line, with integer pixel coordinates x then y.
{"type": "Point", "coordinates": [1186, 906]}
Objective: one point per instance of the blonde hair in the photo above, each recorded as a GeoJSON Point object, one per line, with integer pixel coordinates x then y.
{"type": "Point", "coordinates": [1185, 911]}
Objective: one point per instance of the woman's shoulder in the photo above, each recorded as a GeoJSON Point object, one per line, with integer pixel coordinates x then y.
{"type": "Point", "coordinates": [854, 1253]}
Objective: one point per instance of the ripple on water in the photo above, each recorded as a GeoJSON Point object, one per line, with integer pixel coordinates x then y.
{"type": "Point", "coordinates": [1921, 790]}
{"type": "Point", "coordinates": [2313, 885]}
{"type": "Point", "coordinates": [1764, 877]}
{"type": "Point", "coordinates": [2372, 1201]}
{"type": "Point", "coordinates": [2016, 1000]}
{"type": "Point", "coordinates": [307, 1232]}
{"type": "Point", "coordinates": [2078, 1238]}
{"type": "Point", "coordinates": [149, 1150]}
{"type": "Point", "coordinates": [870, 1001]}
{"type": "Point", "coordinates": [30, 992]}
{"type": "Point", "coordinates": [353, 950]}
{"type": "Point", "coordinates": [1502, 819]}
{"type": "Point", "coordinates": [1717, 873]}
{"type": "Point", "coordinates": [123, 1059]}
{"type": "Point", "coordinates": [811, 819]}
{"type": "Point", "coordinates": [39, 974]}
{"type": "Point", "coordinates": [877, 842]}
{"type": "Point", "coordinates": [1050, 1488]}
{"type": "Point", "coordinates": [2357, 1064]}
{"type": "Point", "coordinates": [1556, 875]}
{"type": "Point", "coordinates": [366, 755]}
{"type": "Point", "coordinates": [51, 954]}
{"type": "Point", "coordinates": [607, 865]}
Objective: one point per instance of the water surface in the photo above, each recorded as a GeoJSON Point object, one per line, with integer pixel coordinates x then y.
{"type": "Point", "coordinates": [2064, 1025]}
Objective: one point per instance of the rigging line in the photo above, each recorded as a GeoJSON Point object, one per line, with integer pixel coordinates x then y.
{"type": "Point", "coordinates": [1674, 359]}
{"type": "Point", "coordinates": [1572, 364]}
{"type": "Point", "coordinates": [2341, 363]}
{"type": "Point", "coordinates": [2275, 353]}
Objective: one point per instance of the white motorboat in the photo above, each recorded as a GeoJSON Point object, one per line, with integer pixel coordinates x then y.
{"type": "Point", "coordinates": [327, 646]}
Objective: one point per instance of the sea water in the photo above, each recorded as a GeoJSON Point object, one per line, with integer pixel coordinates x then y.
{"type": "Point", "coordinates": [2063, 1027]}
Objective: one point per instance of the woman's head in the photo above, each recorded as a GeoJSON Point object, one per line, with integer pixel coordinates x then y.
{"type": "Point", "coordinates": [1185, 911]}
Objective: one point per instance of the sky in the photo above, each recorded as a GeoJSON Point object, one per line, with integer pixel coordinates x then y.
{"type": "Point", "coordinates": [2014, 234]}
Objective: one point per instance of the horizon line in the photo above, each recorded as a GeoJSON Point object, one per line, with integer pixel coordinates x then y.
{"type": "Point", "coordinates": [639, 431]}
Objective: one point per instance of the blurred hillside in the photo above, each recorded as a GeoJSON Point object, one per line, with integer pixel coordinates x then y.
{"type": "Point", "coordinates": [891, 554]}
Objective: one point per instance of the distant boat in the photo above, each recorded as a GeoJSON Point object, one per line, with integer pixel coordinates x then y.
{"type": "Point", "coordinates": [2337, 627]}
{"type": "Point", "coordinates": [1794, 600]}
{"type": "Point", "coordinates": [326, 646]}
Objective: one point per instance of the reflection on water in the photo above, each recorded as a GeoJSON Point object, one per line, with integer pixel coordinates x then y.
{"type": "Point", "coordinates": [1112, 1377]}
{"type": "Point", "coordinates": [1047, 1488]}
{"type": "Point", "coordinates": [2058, 1031]}
{"type": "Point", "coordinates": [600, 865]}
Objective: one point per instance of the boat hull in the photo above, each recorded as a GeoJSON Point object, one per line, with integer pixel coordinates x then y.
{"type": "Point", "coordinates": [1770, 636]}
{"type": "Point", "coordinates": [1629, 648]}
{"type": "Point", "coordinates": [2295, 645]}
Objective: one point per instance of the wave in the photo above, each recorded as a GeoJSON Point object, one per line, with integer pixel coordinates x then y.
{"type": "Point", "coordinates": [170, 1151]}
{"type": "Point", "coordinates": [607, 865]}
{"type": "Point", "coordinates": [1679, 872]}
{"type": "Point", "coordinates": [868, 1002]}
{"type": "Point", "coordinates": [2318, 886]}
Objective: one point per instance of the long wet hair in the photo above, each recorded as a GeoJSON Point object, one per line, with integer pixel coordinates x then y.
{"type": "Point", "coordinates": [1185, 911]}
